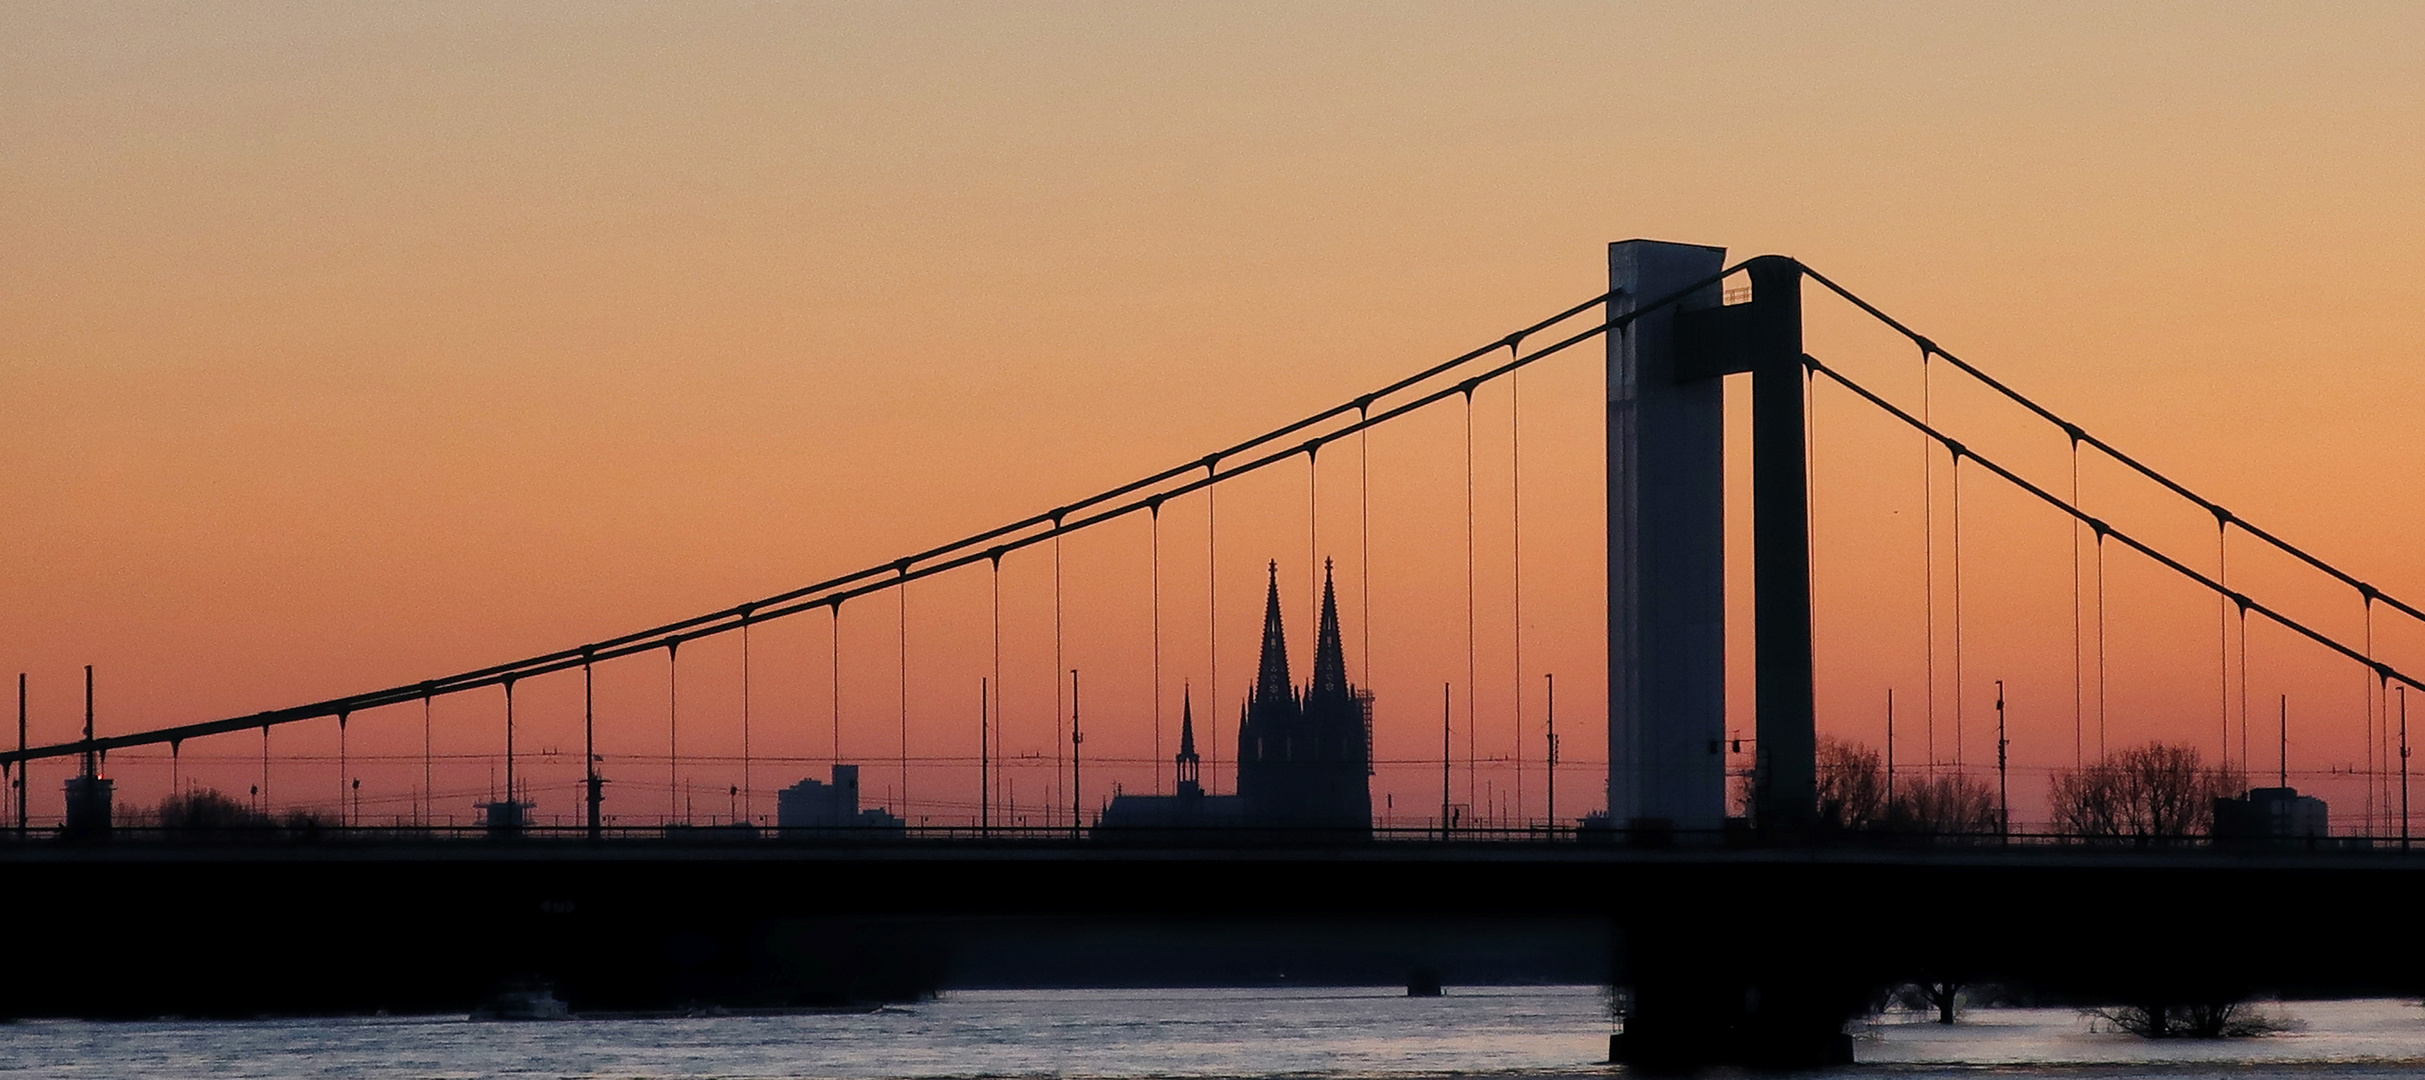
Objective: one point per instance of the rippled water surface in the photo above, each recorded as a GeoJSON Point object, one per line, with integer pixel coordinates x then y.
{"type": "Point", "coordinates": [1530, 1031]}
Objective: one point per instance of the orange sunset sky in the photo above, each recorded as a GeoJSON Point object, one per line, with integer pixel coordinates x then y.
{"type": "Point", "coordinates": [347, 345]}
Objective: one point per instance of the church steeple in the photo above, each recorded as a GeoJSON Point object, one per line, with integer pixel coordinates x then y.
{"type": "Point", "coordinates": [1272, 689]}
{"type": "Point", "coordinates": [1190, 766]}
{"type": "Point", "coordinates": [1330, 656]}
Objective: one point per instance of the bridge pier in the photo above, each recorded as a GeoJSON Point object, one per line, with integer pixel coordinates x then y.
{"type": "Point", "coordinates": [1696, 1002]}
{"type": "Point", "coordinates": [1719, 973]}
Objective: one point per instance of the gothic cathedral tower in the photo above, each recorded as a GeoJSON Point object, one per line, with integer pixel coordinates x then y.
{"type": "Point", "coordinates": [1305, 756]}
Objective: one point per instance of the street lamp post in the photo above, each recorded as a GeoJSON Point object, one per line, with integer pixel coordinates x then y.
{"type": "Point", "coordinates": [1553, 751]}
{"type": "Point", "coordinates": [1077, 800]}
{"type": "Point", "coordinates": [2003, 789]}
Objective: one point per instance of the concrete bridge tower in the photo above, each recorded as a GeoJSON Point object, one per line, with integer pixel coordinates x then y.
{"type": "Point", "coordinates": [1704, 992]}
{"type": "Point", "coordinates": [1667, 538]}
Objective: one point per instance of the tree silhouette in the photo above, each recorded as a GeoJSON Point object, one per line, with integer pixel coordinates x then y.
{"type": "Point", "coordinates": [2155, 793]}
{"type": "Point", "coordinates": [204, 811]}
{"type": "Point", "coordinates": [1946, 804]}
{"type": "Point", "coordinates": [1852, 784]}
{"type": "Point", "coordinates": [1853, 795]}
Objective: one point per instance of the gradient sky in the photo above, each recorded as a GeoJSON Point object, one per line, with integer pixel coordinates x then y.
{"type": "Point", "coordinates": [344, 345]}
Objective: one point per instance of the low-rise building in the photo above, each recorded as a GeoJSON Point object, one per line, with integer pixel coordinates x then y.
{"type": "Point", "coordinates": [2271, 813]}
{"type": "Point", "coordinates": [812, 805]}
{"type": "Point", "coordinates": [1170, 817]}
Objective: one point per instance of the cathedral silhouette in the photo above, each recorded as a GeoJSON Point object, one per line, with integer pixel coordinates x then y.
{"type": "Point", "coordinates": [1304, 755]}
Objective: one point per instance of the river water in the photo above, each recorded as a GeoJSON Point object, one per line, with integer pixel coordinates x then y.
{"type": "Point", "coordinates": [1328, 1032]}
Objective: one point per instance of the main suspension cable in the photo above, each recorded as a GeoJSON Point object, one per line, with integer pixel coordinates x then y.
{"type": "Point", "coordinates": [2076, 432]}
{"type": "Point", "coordinates": [1104, 506]}
{"type": "Point", "coordinates": [2105, 529]}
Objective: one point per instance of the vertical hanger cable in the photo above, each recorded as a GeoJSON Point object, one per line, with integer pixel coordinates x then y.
{"type": "Point", "coordinates": [2078, 729]}
{"type": "Point", "coordinates": [903, 590]}
{"type": "Point", "coordinates": [1928, 560]}
{"type": "Point", "coordinates": [1515, 572]}
{"type": "Point", "coordinates": [673, 746]}
{"type": "Point", "coordinates": [1473, 765]}
{"type": "Point", "coordinates": [1060, 702]}
{"type": "Point", "coordinates": [746, 789]}
{"type": "Point", "coordinates": [1155, 512]}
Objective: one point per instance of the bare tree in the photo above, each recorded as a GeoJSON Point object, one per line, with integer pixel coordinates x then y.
{"type": "Point", "coordinates": [1853, 795]}
{"type": "Point", "coordinates": [2156, 792]}
{"type": "Point", "coordinates": [2198, 1020]}
{"type": "Point", "coordinates": [201, 812]}
{"type": "Point", "coordinates": [1942, 996]}
{"type": "Point", "coordinates": [1852, 784]}
{"type": "Point", "coordinates": [1947, 804]}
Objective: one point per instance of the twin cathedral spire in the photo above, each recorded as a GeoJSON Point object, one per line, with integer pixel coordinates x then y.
{"type": "Point", "coordinates": [1273, 688]}
{"type": "Point", "coordinates": [1305, 756]}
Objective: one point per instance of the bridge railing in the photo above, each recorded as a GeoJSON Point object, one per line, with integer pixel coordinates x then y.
{"type": "Point", "coordinates": [938, 837]}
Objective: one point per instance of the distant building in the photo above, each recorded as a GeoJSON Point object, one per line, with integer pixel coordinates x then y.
{"type": "Point", "coordinates": [1190, 809]}
{"type": "Point", "coordinates": [815, 805]}
{"type": "Point", "coordinates": [504, 817]}
{"type": "Point", "coordinates": [88, 804]}
{"type": "Point", "coordinates": [2271, 813]}
{"type": "Point", "coordinates": [1304, 756]}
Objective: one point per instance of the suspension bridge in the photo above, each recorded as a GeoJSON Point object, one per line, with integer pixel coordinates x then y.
{"type": "Point", "coordinates": [196, 865]}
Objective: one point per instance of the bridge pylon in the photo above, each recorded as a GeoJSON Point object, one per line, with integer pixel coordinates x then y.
{"type": "Point", "coordinates": [1701, 994]}
{"type": "Point", "coordinates": [1666, 549]}
{"type": "Point", "coordinates": [1667, 539]}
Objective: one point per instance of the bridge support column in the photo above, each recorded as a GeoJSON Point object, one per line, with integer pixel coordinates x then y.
{"type": "Point", "coordinates": [1707, 990]}
{"type": "Point", "coordinates": [1787, 786]}
{"type": "Point", "coordinates": [1762, 338]}
{"type": "Point", "coordinates": [1666, 551]}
